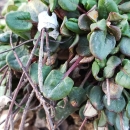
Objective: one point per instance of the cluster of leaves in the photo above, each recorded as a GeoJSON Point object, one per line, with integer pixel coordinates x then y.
{"type": "Point", "coordinates": [94, 37]}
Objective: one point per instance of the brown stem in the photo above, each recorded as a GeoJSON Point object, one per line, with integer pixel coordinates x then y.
{"type": "Point", "coordinates": [18, 46]}
{"type": "Point", "coordinates": [39, 96]}
{"type": "Point", "coordinates": [80, 9]}
{"type": "Point", "coordinates": [4, 75]}
{"type": "Point", "coordinates": [20, 82]}
{"type": "Point", "coordinates": [21, 127]}
{"type": "Point", "coordinates": [73, 66]}
{"type": "Point", "coordinates": [85, 79]}
{"type": "Point", "coordinates": [4, 67]}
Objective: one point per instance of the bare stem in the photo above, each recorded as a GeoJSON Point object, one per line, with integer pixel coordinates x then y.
{"type": "Point", "coordinates": [4, 75]}
{"type": "Point", "coordinates": [73, 66]}
{"type": "Point", "coordinates": [4, 67]}
{"type": "Point", "coordinates": [85, 79]}
{"type": "Point", "coordinates": [108, 92]}
{"type": "Point", "coordinates": [38, 94]}
{"type": "Point", "coordinates": [40, 76]}
{"type": "Point", "coordinates": [21, 127]}
{"type": "Point", "coordinates": [20, 82]}
{"type": "Point", "coordinates": [83, 123]}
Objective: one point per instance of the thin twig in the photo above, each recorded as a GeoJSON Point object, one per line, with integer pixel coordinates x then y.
{"type": "Point", "coordinates": [108, 92]}
{"type": "Point", "coordinates": [47, 46]}
{"type": "Point", "coordinates": [21, 127]}
{"type": "Point", "coordinates": [17, 46]}
{"type": "Point", "coordinates": [21, 80]}
{"type": "Point", "coordinates": [11, 122]}
{"type": "Point", "coordinates": [40, 76]}
{"type": "Point", "coordinates": [4, 75]}
{"type": "Point", "coordinates": [83, 123]}
{"type": "Point", "coordinates": [10, 82]}
{"type": "Point", "coordinates": [4, 67]}
{"type": "Point", "coordinates": [73, 66]}
{"type": "Point", "coordinates": [85, 79]}
{"type": "Point", "coordinates": [39, 96]}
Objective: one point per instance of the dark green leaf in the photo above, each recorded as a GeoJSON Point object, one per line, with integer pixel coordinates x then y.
{"type": "Point", "coordinates": [124, 46]}
{"type": "Point", "coordinates": [62, 110]}
{"type": "Point", "coordinates": [128, 110]}
{"type": "Point", "coordinates": [95, 97]}
{"type": "Point", "coordinates": [18, 22]}
{"type": "Point", "coordinates": [69, 5]}
{"type": "Point", "coordinates": [83, 47]}
{"type": "Point", "coordinates": [111, 116]}
{"type": "Point", "coordinates": [81, 113]}
{"type": "Point", "coordinates": [123, 77]}
{"type": "Point", "coordinates": [101, 44]}
{"type": "Point", "coordinates": [124, 124]}
{"type": "Point", "coordinates": [116, 105]}
{"type": "Point", "coordinates": [5, 37]}
{"type": "Point", "coordinates": [3, 56]}
{"type": "Point", "coordinates": [23, 55]}
{"type": "Point", "coordinates": [77, 96]}
{"type": "Point", "coordinates": [34, 72]}
{"type": "Point", "coordinates": [84, 22]}
{"type": "Point", "coordinates": [55, 87]}
{"type": "Point", "coordinates": [72, 24]}
{"type": "Point", "coordinates": [102, 120]}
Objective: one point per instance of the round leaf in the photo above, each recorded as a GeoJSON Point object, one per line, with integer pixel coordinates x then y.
{"type": "Point", "coordinates": [117, 105]}
{"type": "Point", "coordinates": [101, 44]}
{"type": "Point", "coordinates": [124, 46]}
{"type": "Point", "coordinates": [23, 55]}
{"type": "Point", "coordinates": [95, 97]}
{"type": "Point", "coordinates": [55, 87]}
{"type": "Point", "coordinates": [34, 72]}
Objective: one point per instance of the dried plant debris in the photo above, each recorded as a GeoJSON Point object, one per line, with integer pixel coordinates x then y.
{"type": "Point", "coordinates": [60, 58]}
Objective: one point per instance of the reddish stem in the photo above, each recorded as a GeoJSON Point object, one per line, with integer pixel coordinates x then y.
{"type": "Point", "coordinates": [73, 66]}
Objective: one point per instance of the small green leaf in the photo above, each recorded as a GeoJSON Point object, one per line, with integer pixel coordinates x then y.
{"type": "Point", "coordinates": [69, 5]}
{"type": "Point", "coordinates": [53, 4]}
{"type": "Point", "coordinates": [62, 110]}
{"type": "Point", "coordinates": [125, 28]}
{"type": "Point", "coordinates": [5, 37]}
{"type": "Point", "coordinates": [128, 110]}
{"type": "Point", "coordinates": [123, 77]}
{"type": "Point", "coordinates": [95, 97]}
{"type": "Point", "coordinates": [112, 63]}
{"type": "Point", "coordinates": [3, 56]}
{"type": "Point", "coordinates": [12, 8]}
{"type": "Point", "coordinates": [83, 46]}
{"type": "Point", "coordinates": [101, 44]}
{"type": "Point", "coordinates": [63, 29]}
{"type": "Point", "coordinates": [23, 55]}
{"type": "Point", "coordinates": [124, 46]}
{"type": "Point", "coordinates": [111, 116]}
{"type": "Point", "coordinates": [116, 105]}
{"type": "Point", "coordinates": [55, 87]}
{"type": "Point", "coordinates": [125, 7]}
{"type": "Point", "coordinates": [77, 96]}
{"type": "Point", "coordinates": [81, 113]}
{"type": "Point", "coordinates": [95, 71]}
{"type": "Point", "coordinates": [84, 22]}
{"type": "Point", "coordinates": [72, 24]}
{"type": "Point", "coordinates": [17, 22]}
{"type": "Point", "coordinates": [101, 25]}
{"type": "Point", "coordinates": [33, 71]}
{"type": "Point", "coordinates": [102, 120]}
